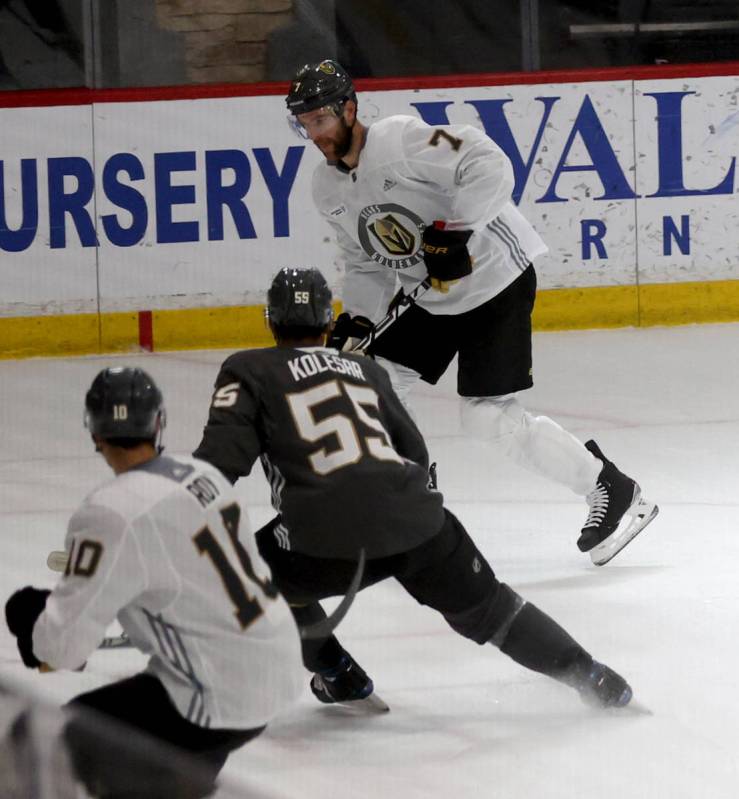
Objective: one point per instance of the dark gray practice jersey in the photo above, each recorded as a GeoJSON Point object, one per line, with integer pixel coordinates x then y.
{"type": "Point", "coordinates": [347, 465]}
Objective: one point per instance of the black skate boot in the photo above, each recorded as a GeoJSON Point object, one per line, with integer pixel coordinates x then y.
{"type": "Point", "coordinates": [600, 686]}
{"type": "Point", "coordinates": [347, 683]}
{"type": "Point", "coordinates": [614, 496]}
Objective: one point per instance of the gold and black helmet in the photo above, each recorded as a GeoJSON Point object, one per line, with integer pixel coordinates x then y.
{"type": "Point", "coordinates": [124, 402]}
{"type": "Point", "coordinates": [317, 85]}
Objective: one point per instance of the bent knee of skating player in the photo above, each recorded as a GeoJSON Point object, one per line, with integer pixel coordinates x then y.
{"type": "Point", "coordinates": [493, 419]}
{"type": "Point", "coordinates": [490, 620]}
{"type": "Point", "coordinates": [449, 574]}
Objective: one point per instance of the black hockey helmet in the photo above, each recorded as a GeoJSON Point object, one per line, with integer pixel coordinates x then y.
{"type": "Point", "coordinates": [299, 298]}
{"type": "Point", "coordinates": [124, 403]}
{"type": "Point", "coordinates": [317, 85]}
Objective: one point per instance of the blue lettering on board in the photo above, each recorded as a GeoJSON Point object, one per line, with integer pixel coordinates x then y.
{"type": "Point", "coordinates": [229, 196]}
{"type": "Point", "coordinates": [496, 126]}
{"type": "Point", "coordinates": [670, 233]}
{"type": "Point", "coordinates": [22, 238]}
{"type": "Point", "coordinates": [670, 150]}
{"type": "Point", "coordinates": [603, 159]}
{"type": "Point", "coordinates": [72, 203]}
{"type": "Point", "coordinates": [167, 196]}
{"type": "Point", "coordinates": [279, 184]}
{"type": "Point", "coordinates": [126, 198]}
{"type": "Point", "coordinates": [592, 233]}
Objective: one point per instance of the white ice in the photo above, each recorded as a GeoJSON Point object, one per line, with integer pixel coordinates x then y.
{"type": "Point", "coordinates": [466, 721]}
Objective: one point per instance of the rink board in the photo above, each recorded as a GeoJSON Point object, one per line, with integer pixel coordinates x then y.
{"type": "Point", "coordinates": [181, 206]}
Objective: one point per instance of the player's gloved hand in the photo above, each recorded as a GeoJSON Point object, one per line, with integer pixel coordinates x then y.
{"type": "Point", "coordinates": [446, 255]}
{"type": "Point", "coordinates": [21, 612]}
{"type": "Point", "coordinates": [348, 331]}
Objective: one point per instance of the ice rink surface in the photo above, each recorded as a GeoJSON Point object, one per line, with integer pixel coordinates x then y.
{"type": "Point", "coordinates": [663, 403]}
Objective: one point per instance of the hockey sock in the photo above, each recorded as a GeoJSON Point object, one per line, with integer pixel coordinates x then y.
{"type": "Point", "coordinates": [535, 442]}
{"type": "Point", "coordinates": [537, 642]}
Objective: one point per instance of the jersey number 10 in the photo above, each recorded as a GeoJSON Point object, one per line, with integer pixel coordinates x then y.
{"type": "Point", "coordinates": [247, 607]}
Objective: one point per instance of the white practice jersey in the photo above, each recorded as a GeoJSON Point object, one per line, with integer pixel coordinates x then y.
{"type": "Point", "coordinates": [166, 549]}
{"type": "Point", "coordinates": [409, 175]}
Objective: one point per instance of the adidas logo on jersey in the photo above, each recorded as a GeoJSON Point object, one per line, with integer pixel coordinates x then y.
{"type": "Point", "coordinates": [388, 184]}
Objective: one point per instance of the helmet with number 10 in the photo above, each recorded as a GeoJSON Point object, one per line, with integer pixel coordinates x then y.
{"type": "Point", "coordinates": [124, 403]}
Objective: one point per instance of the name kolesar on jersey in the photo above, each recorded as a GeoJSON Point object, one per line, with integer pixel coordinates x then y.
{"type": "Point", "coordinates": [211, 189]}
{"type": "Point", "coordinates": [313, 363]}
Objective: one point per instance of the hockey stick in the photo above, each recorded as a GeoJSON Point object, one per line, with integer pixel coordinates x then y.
{"type": "Point", "coordinates": [397, 307]}
{"type": "Point", "coordinates": [121, 641]}
{"type": "Point", "coordinates": [324, 628]}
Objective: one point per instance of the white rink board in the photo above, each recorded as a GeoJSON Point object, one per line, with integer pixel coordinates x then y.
{"type": "Point", "coordinates": [206, 271]}
{"type": "Point", "coordinates": [38, 279]}
{"type": "Point", "coordinates": [709, 112]}
{"type": "Point", "coordinates": [625, 180]}
{"type": "Point", "coordinates": [558, 222]}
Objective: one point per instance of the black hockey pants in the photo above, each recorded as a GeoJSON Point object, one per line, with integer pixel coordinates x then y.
{"type": "Point", "coordinates": [127, 740]}
{"type": "Point", "coordinates": [447, 573]}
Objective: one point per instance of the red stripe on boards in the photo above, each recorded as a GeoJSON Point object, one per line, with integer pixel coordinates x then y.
{"type": "Point", "coordinates": [25, 98]}
{"type": "Point", "coordinates": [146, 331]}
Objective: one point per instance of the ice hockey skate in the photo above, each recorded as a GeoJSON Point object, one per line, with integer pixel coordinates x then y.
{"type": "Point", "coordinates": [347, 684]}
{"type": "Point", "coordinates": [614, 497]}
{"type": "Point", "coordinates": [599, 686]}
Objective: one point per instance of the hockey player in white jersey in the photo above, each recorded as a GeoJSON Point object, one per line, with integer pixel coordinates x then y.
{"type": "Point", "coordinates": [409, 202]}
{"type": "Point", "coordinates": [165, 548]}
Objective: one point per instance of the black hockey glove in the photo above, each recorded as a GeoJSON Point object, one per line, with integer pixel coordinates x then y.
{"type": "Point", "coordinates": [21, 612]}
{"type": "Point", "coordinates": [348, 331]}
{"type": "Point", "coordinates": [446, 255]}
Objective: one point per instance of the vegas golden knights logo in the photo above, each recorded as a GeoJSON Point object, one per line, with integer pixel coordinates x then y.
{"type": "Point", "coordinates": [396, 239]}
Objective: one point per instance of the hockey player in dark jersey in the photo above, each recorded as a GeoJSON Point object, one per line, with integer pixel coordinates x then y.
{"type": "Point", "coordinates": [348, 469]}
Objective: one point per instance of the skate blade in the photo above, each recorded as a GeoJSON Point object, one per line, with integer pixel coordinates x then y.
{"type": "Point", "coordinates": [370, 705]}
{"type": "Point", "coordinates": [635, 708]}
{"type": "Point", "coordinates": [642, 513]}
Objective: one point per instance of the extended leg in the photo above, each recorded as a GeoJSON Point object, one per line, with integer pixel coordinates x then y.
{"type": "Point", "coordinates": [542, 446]}
{"type": "Point", "coordinates": [536, 641]}
{"type": "Point", "coordinates": [450, 575]}
{"type": "Point", "coordinates": [535, 442]}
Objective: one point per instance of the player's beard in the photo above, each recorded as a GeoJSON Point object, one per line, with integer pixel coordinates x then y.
{"type": "Point", "coordinates": [335, 148]}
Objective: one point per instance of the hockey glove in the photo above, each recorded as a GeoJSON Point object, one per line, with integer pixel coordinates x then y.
{"type": "Point", "coordinates": [348, 331]}
{"type": "Point", "coordinates": [446, 255]}
{"type": "Point", "coordinates": [21, 612]}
